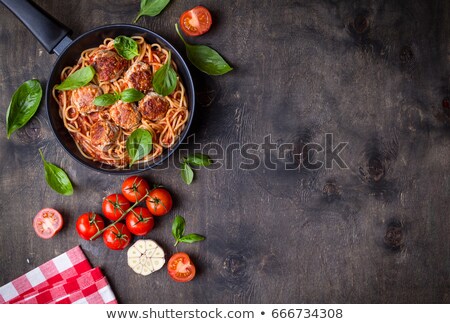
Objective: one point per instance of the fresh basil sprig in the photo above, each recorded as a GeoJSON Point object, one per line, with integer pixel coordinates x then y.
{"type": "Point", "coordinates": [205, 58]}
{"type": "Point", "coordinates": [77, 79]}
{"type": "Point", "coordinates": [24, 104]}
{"type": "Point", "coordinates": [126, 47]}
{"type": "Point", "coordinates": [187, 174]}
{"type": "Point", "coordinates": [56, 178]}
{"type": "Point", "coordinates": [131, 95]}
{"type": "Point", "coordinates": [178, 232]}
{"type": "Point", "coordinates": [151, 8]}
{"type": "Point", "coordinates": [139, 144]}
{"type": "Point", "coordinates": [165, 79]}
{"type": "Point", "coordinates": [128, 95]}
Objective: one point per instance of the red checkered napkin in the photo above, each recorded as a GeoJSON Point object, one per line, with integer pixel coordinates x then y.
{"type": "Point", "coordinates": [64, 269]}
{"type": "Point", "coordinates": [90, 288]}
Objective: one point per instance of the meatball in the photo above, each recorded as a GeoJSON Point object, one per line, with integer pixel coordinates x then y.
{"type": "Point", "coordinates": [83, 98]}
{"type": "Point", "coordinates": [153, 107]}
{"type": "Point", "coordinates": [103, 133]}
{"type": "Point", "coordinates": [125, 115]}
{"type": "Point", "coordinates": [139, 76]}
{"type": "Point", "coordinates": [108, 65]}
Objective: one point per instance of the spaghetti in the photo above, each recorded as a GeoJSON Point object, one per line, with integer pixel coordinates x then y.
{"type": "Point", "coordinates": [100, 133]}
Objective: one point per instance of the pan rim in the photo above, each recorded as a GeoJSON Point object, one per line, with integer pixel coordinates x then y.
{"type": "Point", "coordinates": [187, 78]}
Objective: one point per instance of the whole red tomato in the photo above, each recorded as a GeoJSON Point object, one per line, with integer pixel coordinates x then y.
{"type": "Point", "coordinates": [89, 224]}
{"type": "Point", "coordinates": [139, 221]}
{"type": "Point", "coordinates": [135, 188]}
{"type": "Point", "coordinates": [117, 237]}
{"type": "Point", "coordinates": [114, 206]}
{"type": "Point", "coordinates": [159, 202]}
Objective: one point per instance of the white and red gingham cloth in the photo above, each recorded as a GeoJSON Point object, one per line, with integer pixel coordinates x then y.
{"type": "Point", "coordinates": [66, 279]}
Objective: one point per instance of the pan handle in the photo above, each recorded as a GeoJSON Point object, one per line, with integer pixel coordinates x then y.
{"type": "Point", "coordinates": [49, 32]}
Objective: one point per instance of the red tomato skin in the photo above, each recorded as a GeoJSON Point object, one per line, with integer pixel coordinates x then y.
{"type": "Point", "coordinates": [49, 216]}
{"type": "Point", "coordinates": [85, 225]}
{"type": "Point", "coordinates": [173, 267]}
{"type": "Point", "coordinates": [159, 202]}
{"type": "Point", "coordinates": [196, 21]}
{"type": "Point", "coordinates": [117, 237]}
{"type": "Point", "coordinates": [134, 188]}
{"type": "Point", "coordinates": [114, 206]}
{"type": "Point", "coordinates": [140, 224]}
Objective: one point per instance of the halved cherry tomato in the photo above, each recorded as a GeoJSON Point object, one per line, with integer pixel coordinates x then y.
{"type": "Point", "coordinates": [114, 206]}
{"type": "Point", "coordinates": [159, 202]}
{"type": "Point", "coordinates": [47, 223]}
{"type": "Point", "coordinates": [196, 22]}
{"type": "Point", "coordinates": [134, 188]}
{"type": "Point", "coordinates": [89, 224]}
{"type": "Point", "coordinates": [139, 221]}
{"type": "Point", "coordinates": [180, 267]}
{"type": "Point", "coordinates": [117, 237]}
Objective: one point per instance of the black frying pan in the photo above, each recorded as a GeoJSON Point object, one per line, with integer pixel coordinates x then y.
{"type": "Point", "coordinates": [54, 37]}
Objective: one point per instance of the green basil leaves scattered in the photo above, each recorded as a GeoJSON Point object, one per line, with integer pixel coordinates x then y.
{"type": "Point", "coordinates": [187, 174]}
{"type": "Point", "coordinates": [139, 144]}
{"type": "Point", "coordinates": [24, 104]}
{"type": "Point", "coordinates": [205, 58]}
{"type": "Point", "coordinates": [131, 95]}
{"type": "Point", "coordinates": [128, 95]}
{"type": "Point", "coordinates": [198, 160]}
{"type": "Point", "coordinates": [126, 47]}
{"type": "Point", "coordinates": [178, 232]}
{"type": "Point", "coordinates": [56, 178]}
{"type": "Point", "coordinates": [151, 8]}
{"type": "Point", "coordinates": [77, 79]}
{"type": "Point", "coordinates": [165, 79]}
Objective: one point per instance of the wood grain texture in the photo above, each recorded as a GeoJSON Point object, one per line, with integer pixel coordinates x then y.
{"type": "Point", "coordinates": [372, 73]}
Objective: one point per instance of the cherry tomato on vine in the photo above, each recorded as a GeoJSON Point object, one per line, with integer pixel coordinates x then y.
{"type": "Point", "coordinates": [139, 221]}
{"type": "Point", "coordinates": [89, 224]}
{"type": "Point", "coordinates": [180, 267]}
{"type": "Point", "coordinates": [114, 206]}
{"type": "Point", "coordinates": [134, 188]}
{"type": "Point", "coordinates": [47, 223]}
{"type": "Point", "coordinates": [196, 22]}
{"type": "Point", "coordinates": [159, 202]}
{"type": "Point", "coordinates": [117, 237]}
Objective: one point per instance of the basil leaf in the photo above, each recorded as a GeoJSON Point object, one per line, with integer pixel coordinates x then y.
{"type": "Point", "coordinates": [139, 144]}
{"type": "Point", "coordinates": [106, 99]}
{"type": "Point", "coordinates": [126, 47]}
{"type": "Point", "coordinates": [187, 174]}
{"type": "Point", "coordinates": [198, 159]}
{"type": "Point", "coordinates": [205, 58]}
{"type": "Point", "coordinates": [165, 79]}
{"type": "Point", "coordinates": [191, 238]}
{"type": "Point", "coordinates": [151, 8]}
{"type": "Point", "coordinates": [131, 95]}
{"type": "Point", "coordinates": [57, 178]}
{"type": "Point", "coordinates": [77, 79]}
{"type": "Point", "coordinates": [24, 104]}
{"type": "Point", "coordinates": [178, 227]}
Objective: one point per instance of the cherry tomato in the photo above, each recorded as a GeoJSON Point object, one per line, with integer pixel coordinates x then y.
{"type": "Point", "coordinates": [196, 22]}
{"type": "Point", "coordinates": [139, 221]}
{"type": "Point", "coordinates": [134, 188]}
{"type": "Point", "coordinates": [89, 224]}
{"type": "Point", "coordinates": [117, 237]}
{"type": "Point", "coordinates": [159, 202]}
{"type": "Point", "coordinates": [47, 223]}
{"type": "Point", "coordinates": [114, 206]}
{"type": "Point", "coordinates": [181, 268]}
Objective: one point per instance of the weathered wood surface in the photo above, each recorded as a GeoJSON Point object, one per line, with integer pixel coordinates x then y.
{"type": "Point", "coordinates": [372, 73]}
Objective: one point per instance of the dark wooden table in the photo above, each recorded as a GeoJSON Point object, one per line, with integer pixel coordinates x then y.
{"type": "Point", "coordinates": [373, 74]}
